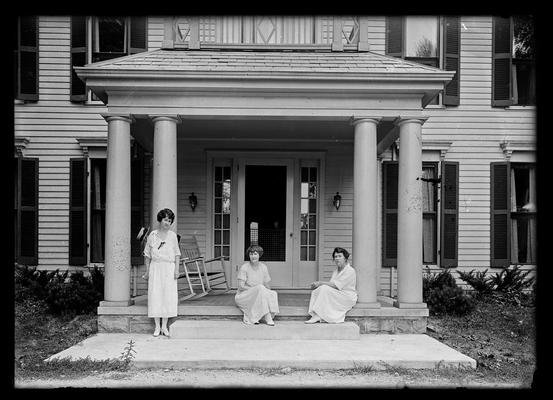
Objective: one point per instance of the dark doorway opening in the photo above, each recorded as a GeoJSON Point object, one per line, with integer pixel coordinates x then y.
{"type": "Point", "coordinates": [265, 203]}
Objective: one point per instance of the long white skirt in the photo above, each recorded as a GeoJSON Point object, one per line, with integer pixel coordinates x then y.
{"type": "Point", "coordinates": [257, 301]}
{"type": "Point", "coordinates": [331, 304]}
{"type": "Point", "coordinates": [162, 290]}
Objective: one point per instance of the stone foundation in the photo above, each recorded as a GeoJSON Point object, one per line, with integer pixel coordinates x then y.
{"type": "Point", "coordinates": [367, 325]}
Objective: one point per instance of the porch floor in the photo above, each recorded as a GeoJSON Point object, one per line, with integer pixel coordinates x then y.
{"type": "Point", "coordinates": [291, 305]}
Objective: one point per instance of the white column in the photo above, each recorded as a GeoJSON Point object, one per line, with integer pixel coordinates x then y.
{"type": "Point", "coordinates": [409, 215]}
{"type": "Point", "coordinates": [364, 250]}
{"type": "Point", "coordinates": [164, 168]}
{"type": "Point", "coordinates": [117, 263]}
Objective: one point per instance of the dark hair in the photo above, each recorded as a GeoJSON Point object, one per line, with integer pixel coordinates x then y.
{"type": "Point", "coordinates": [340, 250]}
{"type": "Point", "coordinates": [255, 247]}
{"type": "Point", "coordinates": [166, 212]}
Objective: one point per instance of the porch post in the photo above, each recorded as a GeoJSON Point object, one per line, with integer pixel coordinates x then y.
{"type": "Point", "coordinates": [164, 168]}
{"type": "Point", "coordinates": [409, 215]}
{"type": "Point", "coordinates": [117, 262]}
{"type": "Point", "coordinates": [364, 250]}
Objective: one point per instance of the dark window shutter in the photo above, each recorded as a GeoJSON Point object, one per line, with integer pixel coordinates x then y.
{"type": "Point", "coordinates": [77, 212]}
{"type": "Point", "coordinates": [27, 211]}
{"type": "Point", "coordinates": [452, 39]}
{"type": "Point", "coordinates": [27, 62]}
{"type": "Point", "coordinates": [394, 36]}
{"type": "Point", "coordinates": [450, 214]}
{"type": "Point", "coordinates": [390, 170]}
{"type": "Point", "coordinates": [137, 214]}
{"type": "Point", "coordinates": [501, 59]}
{"type": "Point", "coordinates": [78, 56]}
{"type": "Point", "coordinates": [139, 36]}
{"type": "Point", "coordinates": [500, 215]}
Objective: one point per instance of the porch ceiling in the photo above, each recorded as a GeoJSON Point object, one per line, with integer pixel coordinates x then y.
{"type": "Point", "coordinates": [353, 80]}
{"type": "Point", "coordinates": [277, 131]}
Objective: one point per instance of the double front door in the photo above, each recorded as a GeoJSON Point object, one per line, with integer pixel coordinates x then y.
{"type": "Point", "coordinates": [276, 205]}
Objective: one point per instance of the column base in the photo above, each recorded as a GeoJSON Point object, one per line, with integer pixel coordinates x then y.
{"type": "Point", "coordinates": [367, 305]}
{"type": "Point", "coordinates": [126, 303]}
{"type": "Point", "coordinates": [398, 304]}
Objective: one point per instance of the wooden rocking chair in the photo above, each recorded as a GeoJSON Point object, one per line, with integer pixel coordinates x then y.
{"type": "Point", "coordinates": [202, 280]}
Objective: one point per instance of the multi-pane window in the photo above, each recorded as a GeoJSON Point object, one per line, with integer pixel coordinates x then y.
{"type": "Point", "coordinates": [513, 214]}
{"type": "Point", "coordinates": [25, 62]}
{"type": "Point", "coordinates": [442, 231]}
{"type": "Point", "coordinates": [524, 67]}
{"type": "Point", "coordinates": [89, 201]}
{"type": "Point", "coordinates": [101, 38]}
{"type": "Point", "coordinates": [514, 68]}
{"type": "Point", "coordinates": [26, 210]}
{"type": "Point", "coordinates": [429, 213]}
{"type": "Point", "coordinates": [308, 214]}
{"type": "Point", "coordinates": [429, 40]}
{"type": "Point", "coordinates": [221, 211]}
{"type": "Point", "coordinates": [523, 210]}
{"type": "Point", "coordinates": [422, 40]}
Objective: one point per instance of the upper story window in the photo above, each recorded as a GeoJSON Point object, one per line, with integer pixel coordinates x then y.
{"type": "Point", "coordinates": [100, 38]}
{"type": "Point", "coordinates": [429, 40]}
{"type": "Point", "coordinates": [514, 68]}
{"type": "Point", "coordinates": [422, 40]}
{"type": "Point", "coordinates": [25, 53]}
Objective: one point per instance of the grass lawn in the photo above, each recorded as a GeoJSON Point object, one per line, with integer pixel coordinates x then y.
{"type": "Point", "coordinates": [498, 335]}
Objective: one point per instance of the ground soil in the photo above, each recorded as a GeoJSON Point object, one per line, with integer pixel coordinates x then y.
{"type": "Point", "coordinates": [500, 337]}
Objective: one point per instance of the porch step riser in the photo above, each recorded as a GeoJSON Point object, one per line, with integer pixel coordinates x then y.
{"type": "Point", "coordinates": [283, 330]}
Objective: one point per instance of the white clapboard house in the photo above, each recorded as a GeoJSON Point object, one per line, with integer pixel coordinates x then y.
{"type": "Point", "coordinates": [408, 140]}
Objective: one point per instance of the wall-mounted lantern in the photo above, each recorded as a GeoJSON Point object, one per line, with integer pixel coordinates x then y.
{"type": "Point", "coordinates": [193, 201]}
{"type": "Point", "coordinates": [337, 200]}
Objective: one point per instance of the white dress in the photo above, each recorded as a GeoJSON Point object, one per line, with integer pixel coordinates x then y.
{"type": "Point", "coordinates": [162, 285]}
{"type": "Point", "coordinates": [256, 300]}
{"type": "Point", "coordinates": [332, 304]}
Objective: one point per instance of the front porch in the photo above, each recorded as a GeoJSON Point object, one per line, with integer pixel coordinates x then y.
{"type": "Point", "coordinates": [293, 307]}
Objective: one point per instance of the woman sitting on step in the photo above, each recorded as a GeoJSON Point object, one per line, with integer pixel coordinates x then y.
{"type": "Point", "coordinates": [330, 301]}
{"type": "Point", "coordinates": [254, 296]}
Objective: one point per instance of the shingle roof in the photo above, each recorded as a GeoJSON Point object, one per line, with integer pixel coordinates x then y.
{"type": "Point", "coordinates": [262, 62]}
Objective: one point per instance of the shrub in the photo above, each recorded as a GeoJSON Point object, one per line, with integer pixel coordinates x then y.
{"type": "Point", "coordinates": [449, 300]}
{"type": "Point", "coordinates": [443, 296]}
{"type": "Point", "coordinates": [478, 281]}
{"type": "Point", "coordinates": [63, 293]}
{"type": "Point", "coordinates": [30, 283]}
{"type": "Point", "coordinates": [76, 296]}
{"type": "Point", "coordinates": [512, 280]}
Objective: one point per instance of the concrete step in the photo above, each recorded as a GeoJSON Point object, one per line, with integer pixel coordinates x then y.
{"type": "Point", "coordinates": [373, 351]}
{"type": "Point", "coordinates": [282, 330]}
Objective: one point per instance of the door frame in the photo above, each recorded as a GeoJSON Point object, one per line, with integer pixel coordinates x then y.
{"type": "Point", "coordinates": [290, 235]}
{"type": "Point", "coordinates": [231, 158]}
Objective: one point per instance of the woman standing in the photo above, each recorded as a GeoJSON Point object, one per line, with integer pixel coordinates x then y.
{"type": "Point", "coordinates": [254, 296]}
{"type": "Point", "coordinates": [330, 301]}
{"type": "Point", "coordinates": [161, 256]}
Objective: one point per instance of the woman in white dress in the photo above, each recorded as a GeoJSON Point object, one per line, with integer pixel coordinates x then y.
{"type": "Point", "coordinates": [161, 256]}
{"type": "Point", "coordinates": [254, 296]}
{"type": "Point", "coordinates": [330, 301]}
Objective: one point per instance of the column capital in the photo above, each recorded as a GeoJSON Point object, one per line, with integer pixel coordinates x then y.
{"type": "Point", "coordinates": [401, 120]}
{"type": "Point", "coordinates": [118, 117]}
{"type": "Point", "coordinates": [356, 120]}
{"type": "Point", "coordinates": [173, 118]}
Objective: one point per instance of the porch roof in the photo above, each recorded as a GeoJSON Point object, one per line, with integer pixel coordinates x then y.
{"type": "Point", "coordinates": [312, 74]}
{"type": "Point", "coordinates": [298, 62]}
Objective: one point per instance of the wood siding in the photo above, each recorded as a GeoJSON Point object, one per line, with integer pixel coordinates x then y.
{"type": "Point", "coordinates": [475, 129]}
